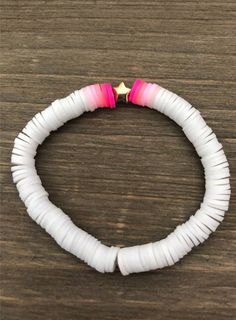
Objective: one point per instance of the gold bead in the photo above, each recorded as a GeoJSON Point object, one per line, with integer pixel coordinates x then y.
{"type": "Point", "coordinates": [122, 92]}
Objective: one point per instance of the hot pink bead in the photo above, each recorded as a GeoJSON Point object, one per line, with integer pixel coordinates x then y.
{"type": "Point", "coordinates": [142, 93]}
{"type": "Point", "coordinates": [136, 86]}
{"type": "Point", "coordinates": [108, 95]}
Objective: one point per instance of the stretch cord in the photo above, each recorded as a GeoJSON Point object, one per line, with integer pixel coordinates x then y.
{"type": "Point", "coordinates": [139, 258]}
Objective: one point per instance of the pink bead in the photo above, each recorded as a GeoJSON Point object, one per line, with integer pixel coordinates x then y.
{"type": "Point", "coordinates": [100, 95]}
{"type": "Point", "coordinates": [143, 93]}
{"type": "Point", "coordinates": [136, 86]}
{"type": "Point", "coordinates": [111, 96]}
{"type": "Point", "coordinates": [152, 92]}
{"type": "Point", "coordinates": [101, 100]}
{"type": "Point", "coordinates": [105, 101]}
{"type": "Point", "coordinates": [108, 95]}
{"type": "Point", "coordinates": [90, 98]}
{"type": "Point", "coordinates": [94, 92]}
{"type": "Point", "coordinates": [139, 94]}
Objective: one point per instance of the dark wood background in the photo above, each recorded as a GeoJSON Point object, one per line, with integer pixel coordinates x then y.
{"type": "Point", "coordinates": [127, 176]}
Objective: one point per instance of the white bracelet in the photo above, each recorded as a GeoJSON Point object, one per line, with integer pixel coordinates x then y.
{"type": "Point", "coordinates": [144, 257]}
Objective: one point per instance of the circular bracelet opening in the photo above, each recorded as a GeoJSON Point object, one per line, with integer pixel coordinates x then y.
{"type": "Point", "coordinates": [109, 184]}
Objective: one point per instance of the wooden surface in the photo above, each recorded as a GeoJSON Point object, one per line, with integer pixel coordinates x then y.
{"type": "Point", "coordinates": [128, 176]}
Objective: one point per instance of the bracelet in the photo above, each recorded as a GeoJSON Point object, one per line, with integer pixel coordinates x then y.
{"type": "Point", "coordinates": [138, 258]}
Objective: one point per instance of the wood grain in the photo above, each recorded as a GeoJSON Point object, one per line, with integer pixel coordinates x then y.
{"type": "Point", "coordinates": [127, 176]}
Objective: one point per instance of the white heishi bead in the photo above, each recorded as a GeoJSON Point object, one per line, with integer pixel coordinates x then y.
{"type": "Point", "coordinates": [147, 257]}
{"type": "Point", "coordinates": [67, 241]}
{"type": "Point", "coordinates": [129, 260]}
{"type": "Point", "coordinates": [172, 250]}
{"type": "Point", "coordinates": [187, 245]}
{"type": "Point", "coordinates": [42, 122]}
{"type": "Point", "coordinates": [111, 259]}
{"type": "Point", "coordinates": [62, 231]}
{"type": "Point", "coordinates": [22, 145]}
{"type": "Point", "coordinates": [139, 258]}
{"type": "Point", "coordinates": [166, 251]}
{"type": "Point", "coordinates": [81, 107]}
{"type": "Point", "coordinates": [59, 111]}
{"type": "Point", "coordinates": [159, 255]}
{"type": "Point", "coordinates": [191, 235]}
{"type": "Point", "coordinates": [22, 152]}
{"type": "Point", "coordinates": [180, 231]}
{"type": "Point", "coordinates": [52, 121]}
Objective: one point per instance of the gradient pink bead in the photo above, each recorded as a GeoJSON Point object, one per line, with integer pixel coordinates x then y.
{"type": "Point", "coordinates": [99, 95]}
{"type": "Point", "coordinates": [108, 95]}
{"type": "Point", "coordinates": [90, 97]}
{"type": "Point", "coordinates": [143, 93]}
{"type": "Point", "coordinates": [140, 97]}
{"type": "Point", "coordinates": [152, 92]}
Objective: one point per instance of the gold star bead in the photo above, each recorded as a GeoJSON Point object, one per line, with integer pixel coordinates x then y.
{"type": "Point", "coordinates": [122, 92]}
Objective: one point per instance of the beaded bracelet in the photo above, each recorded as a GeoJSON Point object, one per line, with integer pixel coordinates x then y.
{"type": "Point", "coordinates": [138, 258]}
